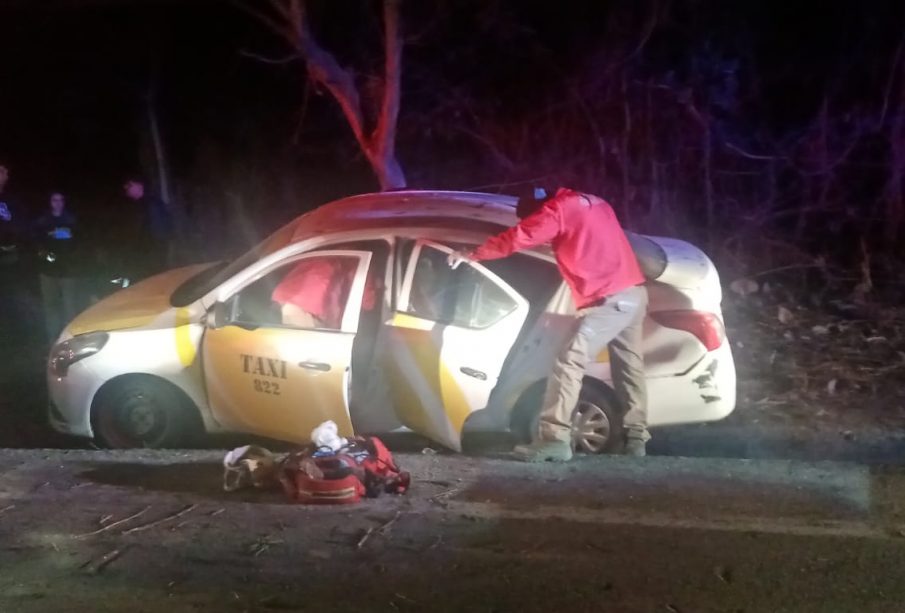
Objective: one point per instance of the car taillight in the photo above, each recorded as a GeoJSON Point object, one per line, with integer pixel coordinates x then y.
{"type": "Point", "coordinates": [707, 327]}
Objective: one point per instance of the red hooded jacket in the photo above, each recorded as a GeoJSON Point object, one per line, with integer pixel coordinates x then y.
{"type": "Point", "coordinates": [591, 249]}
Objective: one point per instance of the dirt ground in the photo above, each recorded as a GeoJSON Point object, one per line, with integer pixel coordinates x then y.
{"type": "Point", "coordinates": [152, 531]}
{"type": "Point", "coordinates": [805, 359]}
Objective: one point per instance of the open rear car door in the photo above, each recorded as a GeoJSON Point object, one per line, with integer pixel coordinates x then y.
{"type": "Point", "coordinates": [447, 341]}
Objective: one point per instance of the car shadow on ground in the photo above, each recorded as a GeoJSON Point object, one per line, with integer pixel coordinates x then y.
{"type": "Point", "coordinates": [716, 440]}
{"type": "Point", "coordinates": [198, 478]}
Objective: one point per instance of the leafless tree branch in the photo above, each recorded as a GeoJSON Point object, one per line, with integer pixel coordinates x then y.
{"type": "Point", "coordinates": [290, 20]}
{"type": "Point", "coordinates": [890, 82]}
{"type": "Point", "coordinates": [325, 69]}
{"type": "Point", "coordinates": [270, 60]}
{"type": "Point", "coordinates": [275, 25]}
{"type": "Point", "coordinates": [385, 132]}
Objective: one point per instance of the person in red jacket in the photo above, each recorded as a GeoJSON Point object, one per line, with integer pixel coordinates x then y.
{"type": "Point", "coordinates": [597, 262]}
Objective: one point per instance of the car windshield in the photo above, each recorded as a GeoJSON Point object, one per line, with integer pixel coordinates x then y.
{"type": "Point", "coordinates": [203, 282]}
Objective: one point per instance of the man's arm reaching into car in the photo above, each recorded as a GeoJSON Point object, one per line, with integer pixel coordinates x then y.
{"type": "Point", "coordinates": [536, 229]}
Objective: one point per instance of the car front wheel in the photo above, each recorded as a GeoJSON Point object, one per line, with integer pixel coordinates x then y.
{"type": "Point", "coordinates": [141, 412]}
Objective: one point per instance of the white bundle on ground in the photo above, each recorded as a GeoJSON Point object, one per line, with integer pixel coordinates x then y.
{"type": "Point", "coordinates": [327, 435]}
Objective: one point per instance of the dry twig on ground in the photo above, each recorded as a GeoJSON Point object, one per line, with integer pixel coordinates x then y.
{"type": "Point", "coordinates": [377, 529]}
{"type": "Point", "coordinates": [162, 520]}
{"type": "Point", "coordinates": [115, 524]}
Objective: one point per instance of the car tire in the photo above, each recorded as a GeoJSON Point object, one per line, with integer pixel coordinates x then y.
{"type": "Point", "coordinates": [140, 411]}
{"type": "Point", "coordinates": [596, 422]}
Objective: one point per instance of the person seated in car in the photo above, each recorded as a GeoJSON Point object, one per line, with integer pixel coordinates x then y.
{"type": "Point", "coordinates": [314, 293]}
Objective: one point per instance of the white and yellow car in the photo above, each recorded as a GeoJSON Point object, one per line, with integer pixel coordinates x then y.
{"type": "Point", "coordinates": [407, 343]}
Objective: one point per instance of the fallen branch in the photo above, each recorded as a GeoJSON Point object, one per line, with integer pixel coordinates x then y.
{"type": "Point", "coordinates": [115, 524]}
{"type": "Point", "coordinates": [7, 508]}
{"type": "Point", "coordinates": [378, 529]}
{"type": "Point", "coordinates": [162, 520]}
{"type": "Point", "coordinates": [107, 560]}
{"type": "Point", "coordinates": [364, 538]}
{"type": "Point", "coordinates": [443, 497]}
{"type": "Point", "coordinates": [263, 545]}
{"type": "Point", "coordinates": [405, 598]}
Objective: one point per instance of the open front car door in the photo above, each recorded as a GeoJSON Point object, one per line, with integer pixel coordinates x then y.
{"type": "Point", "coordinates": [277, 353]}
{"type": "Point", "coordinates": [447, 341]}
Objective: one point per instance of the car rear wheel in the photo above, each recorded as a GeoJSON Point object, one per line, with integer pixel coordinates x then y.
{"type": "Point", "coordinates": [595, 425]}
{"type": "Point", "coordinates": [141, 412]}
{"type": "Point", "coordinates": [596, 422]}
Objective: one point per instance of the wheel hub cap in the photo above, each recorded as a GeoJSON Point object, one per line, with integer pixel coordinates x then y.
{"type": "Point", "coordinates": [590, 428]}
{"type": "Point", "coordinates": [140, 417]}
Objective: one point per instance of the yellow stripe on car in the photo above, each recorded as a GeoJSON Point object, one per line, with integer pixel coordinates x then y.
{"type": "Point", "coordinates": [457, 408]}
{"type": "Point", "coordinates": [185, 348]}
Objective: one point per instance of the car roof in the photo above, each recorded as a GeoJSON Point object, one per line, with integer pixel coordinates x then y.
{"type": "Point", "coordinates": [444, 209]}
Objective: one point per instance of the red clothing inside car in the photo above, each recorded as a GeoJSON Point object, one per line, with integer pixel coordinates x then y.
{"type": "Point", "coordinates": [318, 286]}
{"type": "Point", "coordinates": [591, 249]}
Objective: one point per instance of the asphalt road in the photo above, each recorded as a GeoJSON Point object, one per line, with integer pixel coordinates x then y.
{"type": "Point", "coordinates": [474, 534]}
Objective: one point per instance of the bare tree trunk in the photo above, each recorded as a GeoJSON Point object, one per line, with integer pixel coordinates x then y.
{"type": "Point", "coordinates": [655, 183]}
{"type": "Point", "coordinates": [824, 178]}
{"type": "Point", "coordinates": [378, 143]}
{"type": "Point", "coordinates": [157, 169]}
{"type": "Point", "coordinates": [383, 140]}
{"type": "Point", "coordinates": [708, 179]}
{"type": "Point", "coordinates": [703, 121]}
{"type": "Point", "coordinates": [624, 153]}
{"type": "Point", "coordinates": [163, 179]}
{"type": "Point", "coordinates": [895, 198]}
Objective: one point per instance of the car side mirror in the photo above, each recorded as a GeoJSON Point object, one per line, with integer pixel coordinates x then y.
{"type": "Point", "coordinates": [217, 316]}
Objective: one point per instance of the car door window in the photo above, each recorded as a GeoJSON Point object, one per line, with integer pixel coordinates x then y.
{"type": "Point", "coordinates": [376, 282]}
{"type": "Point", "coordinates": [309, 293]}
{"type": "Point", "coordinates": [462, 297]}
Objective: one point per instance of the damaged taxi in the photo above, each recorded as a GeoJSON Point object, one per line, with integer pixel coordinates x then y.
{"type": "Point", "coordinates": [350, 313]}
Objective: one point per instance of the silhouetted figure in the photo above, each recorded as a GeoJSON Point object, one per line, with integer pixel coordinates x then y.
{"type": "Point", "coordinates": [145, 233]}
{"type": "Point", "coordinates": [59, 265]}
{"type": "Point", "coordinates": [13, 265]}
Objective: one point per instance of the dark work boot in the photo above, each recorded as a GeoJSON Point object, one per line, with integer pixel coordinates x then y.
{"type": "Point", "coordinates": [635, 446]}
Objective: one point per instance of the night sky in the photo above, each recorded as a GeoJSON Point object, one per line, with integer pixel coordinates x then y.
{"type": "Point", "coordinates": [75, 79]}
{"type": "Point", "coordinates": [74, 74]}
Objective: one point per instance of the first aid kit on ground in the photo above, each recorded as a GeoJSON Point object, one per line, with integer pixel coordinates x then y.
{"type": "Point", "coordinates": [331, 470]}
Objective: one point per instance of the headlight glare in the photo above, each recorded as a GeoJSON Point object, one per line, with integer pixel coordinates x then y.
{"type": "Point", "coordinates": [67, 353]}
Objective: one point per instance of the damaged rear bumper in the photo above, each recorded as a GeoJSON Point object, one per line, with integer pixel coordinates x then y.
{"type": "Point", "coordinates": [706, 392]}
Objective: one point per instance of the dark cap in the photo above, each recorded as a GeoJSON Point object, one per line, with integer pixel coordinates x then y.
{"type": "Point", "coordinates": [530, 199]}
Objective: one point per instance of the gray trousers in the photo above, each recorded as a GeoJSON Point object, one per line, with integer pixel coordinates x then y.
{"type": "Point", "coordinates": [618, 322]}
